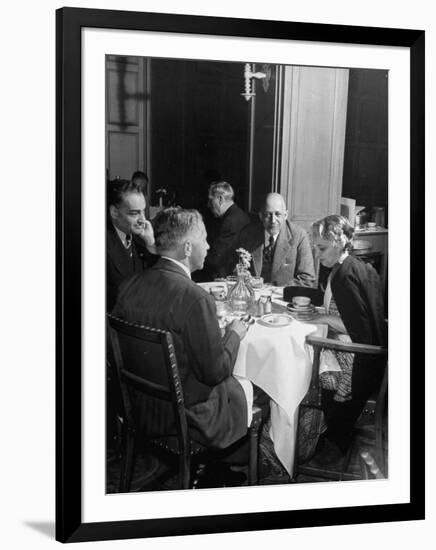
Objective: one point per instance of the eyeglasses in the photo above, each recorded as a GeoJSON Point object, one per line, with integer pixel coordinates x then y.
{"type": "Point", "coordinates": [278, 215]}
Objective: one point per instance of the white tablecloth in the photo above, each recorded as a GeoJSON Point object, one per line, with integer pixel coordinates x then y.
{"type": "Point", "coordinates": [278, 361]}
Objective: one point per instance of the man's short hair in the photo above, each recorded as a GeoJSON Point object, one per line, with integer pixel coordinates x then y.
{"type": "Point", "coordinates": [221, 189]}
{"type": "Point", "coordinates": [172, 225]}
{"type": "Point", "coordinates": [118, 187]}
{"type": "Point", "coordinates": [139, 175]}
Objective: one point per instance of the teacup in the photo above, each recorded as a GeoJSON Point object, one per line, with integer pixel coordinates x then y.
{"type": "Point", "coordinates": [301, 301]}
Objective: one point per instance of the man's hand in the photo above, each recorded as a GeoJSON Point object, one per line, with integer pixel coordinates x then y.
{"type": "Point", "coordinates": [147, 234]}
{"type": "Point", "coordinates": [239, 327]}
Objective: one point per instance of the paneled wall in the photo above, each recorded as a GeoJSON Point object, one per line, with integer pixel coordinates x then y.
{"type": "Point", "coordinates": [314, 119]}
{"type": "Point", "coordinates": [126, 112]}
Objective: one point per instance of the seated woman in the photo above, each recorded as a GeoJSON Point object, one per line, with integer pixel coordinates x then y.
{"type": "Point", "coordinates": [354, 307]}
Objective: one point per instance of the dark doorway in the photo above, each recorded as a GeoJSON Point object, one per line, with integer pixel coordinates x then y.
{"type": "Point", "coordinates": [366, 143]}
{"type": "Point", "coordinates": [199, 129]}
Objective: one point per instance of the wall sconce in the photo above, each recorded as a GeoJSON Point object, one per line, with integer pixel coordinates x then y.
{"type": "Point", "coordinates": [248, 75]}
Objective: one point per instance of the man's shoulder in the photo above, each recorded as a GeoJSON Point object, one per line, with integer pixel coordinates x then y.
{"type": "Point", "coordinates": [112, 239]}
{"type": "Point", "coordinates": [146, 256]}
{"type": "Point", "coordinates": [236, 215]}
{"type": "Point", "coordinates": [166, 277]}
{"type": "Point", "coordinates": [167, 269]}
{"type": "Point", "coordinates": [296, 230]}
{"type": "Point", "coordinates": [252, 235]}
{"type": "Point", "coordinates": [254, 227]}
{"type": "Point", "coordinates": [237, 210]}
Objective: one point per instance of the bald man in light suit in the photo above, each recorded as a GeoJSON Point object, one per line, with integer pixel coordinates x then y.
{"type": "Point", "coordinates": [281, 251]}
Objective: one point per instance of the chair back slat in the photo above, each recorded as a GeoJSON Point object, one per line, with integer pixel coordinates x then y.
{"type": "Point", "coordinates": [148, 375]}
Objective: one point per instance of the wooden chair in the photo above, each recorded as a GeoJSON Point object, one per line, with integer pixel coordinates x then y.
{"type": "Point", "coordinates": [153, 403]}
{"type": "Point", "coordinates": [374, 408]}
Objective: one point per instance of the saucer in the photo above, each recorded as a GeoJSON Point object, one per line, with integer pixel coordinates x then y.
{"type": "Point", "coordinates": [301, 309]}
{"type": "Point", "coordinates": [275, 320]}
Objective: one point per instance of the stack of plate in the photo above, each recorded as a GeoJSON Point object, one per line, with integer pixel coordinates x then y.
{"type": "Point", "coordinates": [302, 313]}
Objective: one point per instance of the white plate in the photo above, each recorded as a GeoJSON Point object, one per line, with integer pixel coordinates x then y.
{"type": "Point", "coordinates": [275, 320]}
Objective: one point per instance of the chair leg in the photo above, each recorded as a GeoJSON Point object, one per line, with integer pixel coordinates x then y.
{"type": "Point", "coordinates": [253, 471]}
{"type": "Point", "coordinates": [346, 462]}
{"type": "Point", "coordinates": [379, 450]}
{"type": "Point", "coordinates": [127, 462]}
{"type": "Point", "coordinates": [185, 470]}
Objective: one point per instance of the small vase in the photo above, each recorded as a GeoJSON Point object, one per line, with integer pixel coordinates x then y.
{"type": "Point", "coordinates": [242, 299]}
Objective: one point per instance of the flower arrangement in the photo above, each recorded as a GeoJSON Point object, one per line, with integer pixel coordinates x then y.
{"type": "Point", "coordinates": [244, 259]}
{"type": "Point", "coordinates": [241, 296]}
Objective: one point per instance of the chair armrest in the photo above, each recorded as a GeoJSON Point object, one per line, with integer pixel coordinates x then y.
{"type": "Point", "coordinates": [313, 395]}
{"type": "Point", "coordinates": [351, 347]}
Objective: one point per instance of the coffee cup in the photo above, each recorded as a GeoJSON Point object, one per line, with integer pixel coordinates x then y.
{"type": "Point", "coordinates": [301, 301]}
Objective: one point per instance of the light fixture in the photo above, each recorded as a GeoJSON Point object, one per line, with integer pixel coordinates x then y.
{"type": "Point", "coordinates": [249, 74]}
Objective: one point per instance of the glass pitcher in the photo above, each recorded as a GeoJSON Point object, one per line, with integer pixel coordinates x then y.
{"type": "Point", "coordinates": [241, 297]}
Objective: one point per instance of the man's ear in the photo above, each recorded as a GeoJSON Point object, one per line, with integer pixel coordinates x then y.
{"type": "Point", "coordinates": [286, 215]}
{"type": "Point", "coordinates": [113, 211]}
{"type": "Point", "coordinates": [187, 248]}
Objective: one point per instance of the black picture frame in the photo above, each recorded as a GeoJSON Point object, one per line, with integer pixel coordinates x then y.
{"type": "Point", "coordinates": [69, 524]}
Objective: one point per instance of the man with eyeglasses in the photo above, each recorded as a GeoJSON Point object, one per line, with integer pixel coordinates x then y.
{"type": "Point", "coordinates": [280, 250]}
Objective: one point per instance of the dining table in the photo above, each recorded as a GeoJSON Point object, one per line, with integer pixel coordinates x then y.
{"type": "Point", "coordinates": [276, 358]}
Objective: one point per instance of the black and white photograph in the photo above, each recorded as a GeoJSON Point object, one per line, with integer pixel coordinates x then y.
{"type": "Point", "coordinates": [217, 306]}
{"type": "Point", "coordinates": [239, 229]}
{"type": "Point", "coordinates": [246, 274]}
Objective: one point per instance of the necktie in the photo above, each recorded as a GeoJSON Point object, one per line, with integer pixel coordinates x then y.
{"type": "Point", "coordinates": [268, 250]}
{"type": "Point", "coordinates": [128, 245]}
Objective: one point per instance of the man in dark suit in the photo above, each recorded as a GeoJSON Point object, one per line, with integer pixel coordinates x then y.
{"type": "Point", "coordinates": [231, 220]}
{"type": "Point", "coordinates": [280, 250]}
{"type": "Point", "coordinates": [165, 297]}
{"type": "Point", "coordinates": [129, 237]}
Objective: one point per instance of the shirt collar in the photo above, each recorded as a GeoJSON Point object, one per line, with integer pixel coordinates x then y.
{"type": "Point", "coordinates": [268, 235]}
{"type": "Point", "coordinates": [122, 236]}
{"type": "Point", "coordinates": [183, 266]}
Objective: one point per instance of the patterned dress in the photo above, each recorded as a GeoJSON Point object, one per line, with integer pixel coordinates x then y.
{"type": "Point", "coordinates": [337, 381]}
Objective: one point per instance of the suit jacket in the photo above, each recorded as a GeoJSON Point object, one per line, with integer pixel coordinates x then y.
{"type": "Point", "coordinates": [292, 258]}
{"type": "Point", "coordinates": [119, 263]}
{"type": "Point", "coordinates": [164, 297]}
{"type": "Point", "coordinates": [219, 261]}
